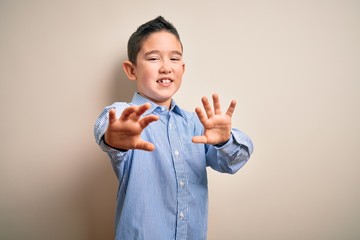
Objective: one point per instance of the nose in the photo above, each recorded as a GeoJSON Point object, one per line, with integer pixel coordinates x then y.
{"type": "Point", "coordinates": [165, 67]}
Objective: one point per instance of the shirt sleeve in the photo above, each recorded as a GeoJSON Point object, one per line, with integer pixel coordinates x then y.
{"type": "Point", "coordinates": [231, 156]}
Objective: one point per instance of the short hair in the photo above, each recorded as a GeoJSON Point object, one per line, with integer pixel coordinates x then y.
{"type": "Point", "coordinates": [143, 32]}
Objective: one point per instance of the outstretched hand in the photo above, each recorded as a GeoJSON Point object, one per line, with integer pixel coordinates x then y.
{"type": "Point", "coordinates": [124, 133]}
{"type": "Point", "coordinates": [217, 126]}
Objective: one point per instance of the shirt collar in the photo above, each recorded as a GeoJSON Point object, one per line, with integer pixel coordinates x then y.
{"type": "Point", "coordinates": [140, 100]}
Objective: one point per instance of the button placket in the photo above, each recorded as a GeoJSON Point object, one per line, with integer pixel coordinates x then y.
{"type": "Point", "coordinates": [180, 174]}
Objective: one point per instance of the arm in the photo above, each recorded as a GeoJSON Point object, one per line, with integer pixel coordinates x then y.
{"type": "Point", "coordinates": [230, 157]}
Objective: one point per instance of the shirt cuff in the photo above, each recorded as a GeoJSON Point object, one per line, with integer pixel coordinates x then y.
{"type": "Point", "coordinates": [228, 147]}
{"type": "Point", "coordinates": [237, 139]}
{"type": "Point", "coordinates": [108, 148]}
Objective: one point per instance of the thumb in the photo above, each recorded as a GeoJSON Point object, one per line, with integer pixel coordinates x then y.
{"type": "Point", "coordinates": [143, 145]}
{"type": "Point", "coordinates": [199, 139]}
{"type": "Point", "coordinates": [112, 116]}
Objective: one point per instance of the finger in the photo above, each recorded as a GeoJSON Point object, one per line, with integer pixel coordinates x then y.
{"type": "Point", "coordinates": [199, 139]}
{"type": "Point", "coordinates": [147, 146]}
{"type": "Point", "coordinates": [128, 112]}
{"type": "Point", "coordinates": [207, 107]}
{"type": "Point", "coordinates": [202, 117]}
{"type": "Point", "coordinates": [145, 121]}
{"type": "Point", "coordinates": [112, 116]}
{"type": "Point", "coordinates": [231, 108]}
{"type": "Point", "coordinates": [216, 102]}
{"type": "Point", "coordinates": [142, 109]}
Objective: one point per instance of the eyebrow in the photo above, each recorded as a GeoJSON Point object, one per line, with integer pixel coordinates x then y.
{"type": "Point", "coordinates": [157, 52]}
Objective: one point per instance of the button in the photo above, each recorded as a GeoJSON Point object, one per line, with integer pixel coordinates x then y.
{"type": "Point", "coordinates": [176, 153]}
{"type": "Point", "coordinates": [169, 125]}
{"type": "Point", "coordinates": [181, 215]}
{"type": "Point", "coordinates": [182, 183]}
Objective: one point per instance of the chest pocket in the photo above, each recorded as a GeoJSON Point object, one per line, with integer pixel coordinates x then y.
{"type": "Point", "coordinates": [195, 162]}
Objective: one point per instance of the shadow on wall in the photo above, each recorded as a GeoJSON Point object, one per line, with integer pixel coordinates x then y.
{"type": "Point", "coordinates": [121, 88]}
{"type": "Point", "coordinates": [101, 184]}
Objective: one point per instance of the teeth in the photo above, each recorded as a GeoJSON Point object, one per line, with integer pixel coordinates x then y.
{"type": "Point", "coordinates": [165, 81]}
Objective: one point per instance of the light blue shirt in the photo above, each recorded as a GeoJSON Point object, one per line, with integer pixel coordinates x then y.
{"type": "Point", "coordinates": [163, 194]}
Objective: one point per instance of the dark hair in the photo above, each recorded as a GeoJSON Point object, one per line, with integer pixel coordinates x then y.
{"type": "Point", "coordinates": [136, 39]}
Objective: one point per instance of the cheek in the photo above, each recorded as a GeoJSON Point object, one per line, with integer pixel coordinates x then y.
{"type": "Point", "coordinates": [149, 72]}
{"type": "Point", "coordinates": [179, 72]}
{"type": "Point", "coordinates": [180, 68]}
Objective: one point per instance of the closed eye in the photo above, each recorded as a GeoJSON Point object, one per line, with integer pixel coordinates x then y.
{"type": "Point", "coordinates": [176, 57]}
{"type": "Point", "coordinates": [153, 58]}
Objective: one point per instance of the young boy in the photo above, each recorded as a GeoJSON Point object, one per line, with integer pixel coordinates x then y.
{"type": "Point", "coordinates": [159, 151]}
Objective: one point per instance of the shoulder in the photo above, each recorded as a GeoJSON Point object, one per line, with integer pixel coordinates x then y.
{"type": "Point", "coordinates": [190, 117]}
{"type": "Point", "coordinates": [118, 106]}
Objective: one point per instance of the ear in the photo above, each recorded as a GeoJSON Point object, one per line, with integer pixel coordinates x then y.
{"type": "Point", "coordinates": [129, 69]}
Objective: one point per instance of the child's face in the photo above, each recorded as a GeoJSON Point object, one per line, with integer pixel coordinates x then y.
{"type": "Point", "coordinates": [159, 67]}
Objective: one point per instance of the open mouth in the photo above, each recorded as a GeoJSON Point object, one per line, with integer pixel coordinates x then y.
{"type": "Point", "coordinates": [164, 81]}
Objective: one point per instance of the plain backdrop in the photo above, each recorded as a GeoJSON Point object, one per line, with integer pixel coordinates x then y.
{"type": "Point", "coordinates": [292, 66]}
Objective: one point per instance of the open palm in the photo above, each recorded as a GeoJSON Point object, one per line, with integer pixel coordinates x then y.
{"type": "Point", "coordinates": [217, 126]}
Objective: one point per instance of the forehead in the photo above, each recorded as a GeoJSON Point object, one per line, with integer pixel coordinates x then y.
{"type": "Point", "coordinates": [161, 41]}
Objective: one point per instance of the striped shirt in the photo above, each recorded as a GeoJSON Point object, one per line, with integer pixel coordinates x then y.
{"type": "Point", "coordinates": [163, 194]}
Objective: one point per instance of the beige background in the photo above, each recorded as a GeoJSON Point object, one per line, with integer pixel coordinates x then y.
{"type": "Point", "coordinates": [293, 67]}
